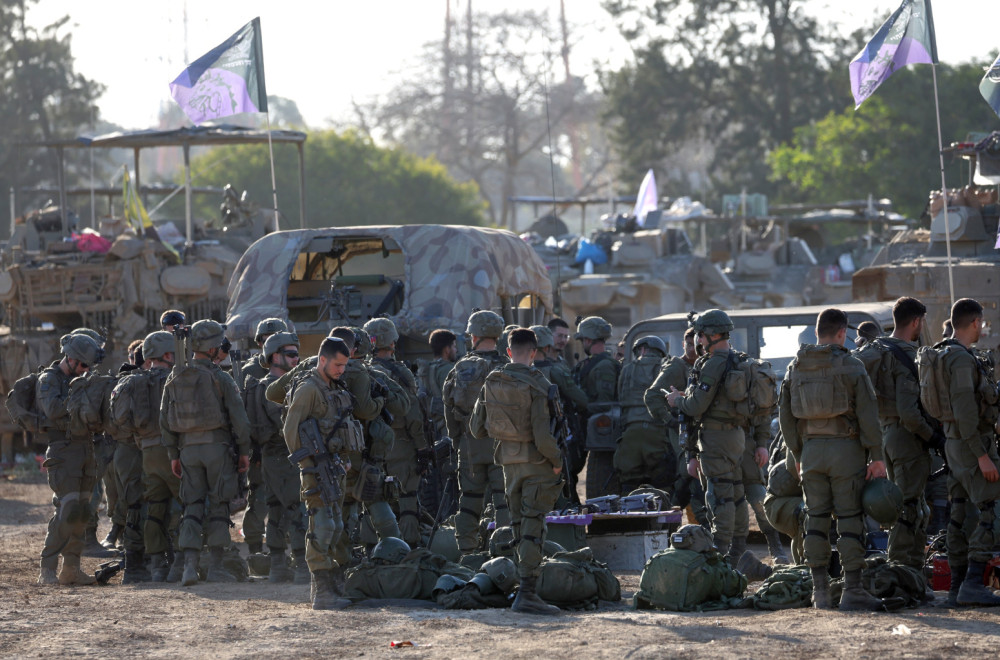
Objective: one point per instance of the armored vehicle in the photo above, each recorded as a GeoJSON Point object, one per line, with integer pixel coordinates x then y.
{"type": "Point", "coordinates": [916, 262]}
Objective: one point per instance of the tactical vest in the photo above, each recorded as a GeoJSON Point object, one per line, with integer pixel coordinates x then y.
{"type": "Point", "coordinates": [88, 403]}
{"type": "Point", "coordinates": [635, 379]}
{"type": "Point", "coordinates": [470, 374]}
{"type": "Point", "coordinates": [135, 405]}
{"type": "Point", "coordinates": [412, 418]}
{"type": "Point", "coordinates": [508, 404]}
{"type": "Point", "coordinates": [750, 386]}
{"type": "Point", "coordinates": [581, 374]}
{"type": "Point", "coordinates": [194, 400]}
{"type": "Point", "coordinates": [52, 376]}
{"type": "Point", "coordinates": [265, 416]}
{"type": "Point", "coordinates": [878, 360]}
{"type": "Point", "coordinates": [338, 404]}
{"type": "Point", "coordinates": [820, 401]}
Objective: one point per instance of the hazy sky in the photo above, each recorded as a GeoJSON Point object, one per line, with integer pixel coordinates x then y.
{"type": "Point", "coordinates": [323, 55]}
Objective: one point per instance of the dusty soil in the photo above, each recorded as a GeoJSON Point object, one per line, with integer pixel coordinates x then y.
{"type": "Point", "coordinates": [258, 619]}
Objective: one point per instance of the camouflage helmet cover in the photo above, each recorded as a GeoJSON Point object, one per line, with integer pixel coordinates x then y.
{"type": "Point", "coordinates": [206, 335]}
{"type": "Point", "coordinates": [274, 343]}
{"type": "Point", "coordinates": [82, 348]}
{"type": "Point", "coordinates": [882, 500]}
{"type": "Point", "coordinates": [485, 323]}
{"type": "Point", "coordinates": [543, 335]}
{"type": "Point", "coordinates": [391, 550]}
{"type": "Point", "coordinates": [593, 327]}
{"type": "Point", "coordinates": [713, 322]}
{"type": "Point", "coordinates": [269, 327]}
{"type": "Point", "coordinates": [157, 344]}
{"type": "Point", "coordinates": [650, 341]}
{"type": "Point", "coordinates": [383, 332]}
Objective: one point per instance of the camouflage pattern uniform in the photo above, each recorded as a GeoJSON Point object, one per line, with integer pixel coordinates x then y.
{"type": "Point", "coordinates": [644, 454]}
{"type": "Point", "coordinates": [597, 376]}
{"type": "Point", "coordinates": [785, 508]}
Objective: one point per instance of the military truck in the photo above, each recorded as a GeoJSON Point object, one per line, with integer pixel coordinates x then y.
{"type": "Point", "coordinates": [423, 277]}
{"type": "Point", "coordinates": [916, 262]}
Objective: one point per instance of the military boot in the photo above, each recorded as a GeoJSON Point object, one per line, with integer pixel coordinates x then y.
{"type": "Point", "coordinates": [216, 571]}
{"type": "Point", "coordinates": [135, 568]}
{"type": "Point", "coordinates": [821, 588]}
{"type": "Point", "coordinates": [855, 598]}
{"type": "Point", "coordinates": [93, 548]}
{"type": "Point", "coordinates": [301, 567]}
{"type": "Point", "coordinates": [190, 576]}
{"type": "Point", "coordinates": [114, 535]}
{"type": "Point", "coordinates": [528, 602]}
{"type": "Point", "coordinates": [71, 573]}
{"type": "Point", "coordinates": [255, 548]}
{"type": "Point", "coordinates": [774, 547]}
{"type": "Point", "coordinates": [957, 575]}
{"type": "Point", "coordinates": [324, 595]}
{"type": "Point", "coordinates": [753, 568]}
{"type": "Point", "coordinates": [279, 567]}
{"type": "Point", "coordinates": [736, 550]}
{"type": "Point", "coordinates": [972, 590]}
{"type": "Point", "coordinates": [176, 572]}
{"type": "Point", "coordinates": [158, 568]}
{"type": "Point", "coordinates": [47, 570]}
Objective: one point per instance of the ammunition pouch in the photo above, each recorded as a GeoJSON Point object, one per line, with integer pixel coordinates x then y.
{"type": "Point", "coordinates": [369, 484]}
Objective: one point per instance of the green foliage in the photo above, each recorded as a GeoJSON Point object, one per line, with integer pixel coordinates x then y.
{"type": "Point", "coordinates": [349, 181]}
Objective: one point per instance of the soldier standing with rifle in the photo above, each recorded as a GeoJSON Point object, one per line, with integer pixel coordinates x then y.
{"type": "Point", "coordinates": [514, 409]}
{"type": "Point", "coordinates": [644, 454]}
{"type": "Point", "coordinates": [597, 376]}
{"type": "Point", "coordinates": [199, 415]}
{"type": "Point", "coordinates": [319, 433]}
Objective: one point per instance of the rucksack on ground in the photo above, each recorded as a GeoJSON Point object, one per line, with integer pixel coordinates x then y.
{"type": "Point", "coordinates": [686, 581]}
{"type": "Point", "coordinates": [21, 403]}
{"type": "Point", "coordinates": [575, 580]}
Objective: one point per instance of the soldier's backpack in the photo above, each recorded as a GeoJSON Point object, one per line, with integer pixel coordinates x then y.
{"type": "Point", "coordinates": [877, 357]}
{"type": "Point", "coordinates": [263, 422]}
{"type": "Point", "coordinates": [135, 402]}
{"type": "Point", "coordinates": [21, 403]}
{"type": "Point", "coordinates": [575, 580]}
{"type": "Point", "coordinates": [687, 581]}
{"type": "Point", "coordinates": [752, 386]}
{"type": "Point", "coordinates": [88, 403]}
{"type": "Point", "coordinates": [785, 588]}
{"type": "Point", "coordinates": [812, 384]}
{"type": "Point", "coordinates": [194, 400]}
{"type": "Point", "coordinates": [470, 374]}
{"type": "Point", "coordinates": [935, 382]}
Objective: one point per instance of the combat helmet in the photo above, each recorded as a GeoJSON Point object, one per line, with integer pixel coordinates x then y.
{"type": "Point", "coordinates": [274, 343]}
{"type": "Point", "coordinates": [206, 335]}
{"type": "Point", "coordinates": [383, 332]}
{"type": "Point", "coordinates": [269, 327]}
{"type": "Point", "coordinates": [93, 334]}
{"type": "Point", "coordinates": [543, 335]}
{"type": "Point", "coordinates": [157, 344]}
{"type": "Point", "coordinates": [713, 322]}
{"type": "Point", "coordinates": [82, 349]}
{"type": "Point", "coordinates": [593, 327]}
{"type": "Point", "coordinates": [502, 572]}
{"type": "Point", "coordinates": [882, 500]}
{"type": "Point", "coordinates": [391, 550]}
{"type": "Point", "coordinates": [502, 542]}
{"type": "Point", "coordinates": [485, 323]}
{"type": "Point", "coordinates": [362, 342]}
{"type": "Point", "coordinates": [650, 341]}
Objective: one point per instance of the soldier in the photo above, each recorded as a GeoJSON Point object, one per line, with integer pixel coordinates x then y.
{"type": "Point", "coordinates": [200, 413]}
{"type": "Point", "coordinates": [319, 395]}
{"type": "Point", "coordinates": [285, 524]}
{"type": "Point", "coordinates": [867, 333]}
{"type": "Point", "coordinates": [829, 421]}
{"type": "Point", "coordinates": [644, 454]}
{"type": "Point", "coordinates": [433, 374]}
{"type": "Point", "coordinates": [597, 376]}
{"type": "Point", "coordinates": [255, 367]}
{"type": "Point", "coordinates": [514, 409]}
{"type": "Point", "coordinates": [172, 318]}
{"type": "Point", "coordinates": [440, 484]}
{"type": "Point", "coordinates": [785, 508]}
{"type": "Point", "coordinates": [476, 469]}
{"type": "Point", "coordinates": [906, 434]}
{"type": "Point", "coordinates": [721, 439]}
{"type": "Point", "coordinates": [69, 461]}
{"type": "Point", "coordinates": [972, 455]}
{"type": "Point", "coordinates": [411, 455]}
{"type": "Point", "coordinates": [161, 485]}
{"type": "Point", "coordinates": [674, 373]}
{"type": "Point", "coordinates": [560, 338]}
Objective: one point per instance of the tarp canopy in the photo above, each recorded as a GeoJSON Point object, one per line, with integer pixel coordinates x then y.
{"type": "Point", "coordinates": [449, 270]}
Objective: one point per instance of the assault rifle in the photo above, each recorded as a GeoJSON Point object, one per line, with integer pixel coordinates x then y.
{"type": "Point", "coordinates": [108, 570]}
{"type": "Point", "coordinates": [559, 428]}
{"type": "Point", "coordinates": [327, 467]}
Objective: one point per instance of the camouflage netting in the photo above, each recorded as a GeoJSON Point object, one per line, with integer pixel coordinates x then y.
{"type": "Point", "coordinates": [449, 270]}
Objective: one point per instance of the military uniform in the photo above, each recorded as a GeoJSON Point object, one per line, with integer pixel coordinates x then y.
{"type": "Point", "coordinates": [904, 434]}
{"type": "Point", "coordinates": [721, 441]}
{"type": "Point", "coordinates": [258, 495]}
{"type": "Point", "coordinates": [785, 508]}
{"type": "Point", "coordinates": [476, 467]}
{"type": "Point", "coordinates": [513, 409]}
{"type": "Point", "coordinates": [208, 474]}
{"type": "Point", "coordinates": [129, 484]}
{"type": "Point", "coordinates": [597, 376]}
{"type": "Point", "coordinates": [644, 454]}
{"type": "Point", "coordinates": [829, 420]}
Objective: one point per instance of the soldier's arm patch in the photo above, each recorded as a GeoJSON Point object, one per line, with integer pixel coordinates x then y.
{"type": "Point", "coordinates": [704, 387]}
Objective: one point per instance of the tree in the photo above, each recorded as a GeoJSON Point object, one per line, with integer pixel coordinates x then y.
{"type": "Point", "coordinates": [349, 181]}
{"type": "Point", "coordinates": [729, 79]}
{"type": "Point", "coordinates": [888, 147]}
{"type": "Point", "coordinates": [484, 101]}
{"type": "Point", "coordinates": [41, 98]}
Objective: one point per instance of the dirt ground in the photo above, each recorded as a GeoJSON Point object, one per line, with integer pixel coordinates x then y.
{"type": "Point", "coordinates": [257, 619]}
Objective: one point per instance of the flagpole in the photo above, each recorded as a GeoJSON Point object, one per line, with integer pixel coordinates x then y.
{"type": "Point", "coordinates": [274, 186]}
{"type": "Point", "coordinates": [944, 187]}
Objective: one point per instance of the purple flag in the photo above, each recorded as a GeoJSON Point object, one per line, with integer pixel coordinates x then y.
{"type": "Point", "coordinates": [227, 80]}
{"type": "Point", "coordinates": [906, 38]}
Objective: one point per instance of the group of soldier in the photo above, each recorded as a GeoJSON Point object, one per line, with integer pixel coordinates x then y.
{"type": "Point", "coordinates": [335, 447]}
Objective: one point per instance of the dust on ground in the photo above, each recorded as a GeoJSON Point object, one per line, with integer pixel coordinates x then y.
{"type": "Point", "coordinates": [258, 619]}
